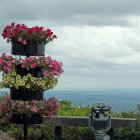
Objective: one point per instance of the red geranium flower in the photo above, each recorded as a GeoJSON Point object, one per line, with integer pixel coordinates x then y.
{"type": "Point", "coordinates": [36, 34]}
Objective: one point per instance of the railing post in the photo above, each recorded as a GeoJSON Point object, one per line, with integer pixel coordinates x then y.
{"type": "Point", "coordinates": [58, 133]}
{"type": "Point", "coordinates": [110, 133]}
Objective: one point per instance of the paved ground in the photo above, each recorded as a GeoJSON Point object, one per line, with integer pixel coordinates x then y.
{"type": "Point", "coordinates": [4, 136]}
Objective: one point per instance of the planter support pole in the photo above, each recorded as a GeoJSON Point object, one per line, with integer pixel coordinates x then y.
{"type": "Point", "coordinates": [25, 131]}
{"type": "Point", "coordinates": [58, 133]}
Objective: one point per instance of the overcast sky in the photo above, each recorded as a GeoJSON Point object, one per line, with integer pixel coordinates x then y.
{"type": "Point", "coordinates": [98, 40]}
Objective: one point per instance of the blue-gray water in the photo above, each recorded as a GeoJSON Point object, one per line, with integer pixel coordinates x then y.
{"type": "Point", "coordinates": [119, 100]}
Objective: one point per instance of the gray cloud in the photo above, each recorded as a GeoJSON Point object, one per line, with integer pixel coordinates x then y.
{"type": "Point", "coordinates": [89, 12]}
{"type": "Point", "coordinates": [98, 40]}
{"type": "Point", "coordinates": [94, 52]}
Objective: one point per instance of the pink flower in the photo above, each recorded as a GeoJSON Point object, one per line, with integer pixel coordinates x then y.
{"type": "Point", "coordinates": [47, 112]}
{"type": "Point", "coordinates": [23, 66]}
{"type": "Point", "coordinates": [3, 54]}
{"type": "Point", "coordinates": [20, 39]}
{"type": "Point", "coordinates": [33, 65]}
{"type": "Point", "coordinates": [54, 36]}
{"type": "Point", "coordinates": [27, 59]}
{"type": "Point", "coordinates": [9, 70]}
{"type": "Point", "coordinates": [2, 106]}
{"type": "Point", "coordinates": [34, 109]}
{"type": "Point", "coordinates": [42, 107]}
{"type": "Point", "coordinates": [13, 104]}
{"type": "Point", "coordinates": [23, 27]}
{"type": "Point", "coordinates": [9, 57]}
{"type": "Point", "coordinates": [18, 26]}
{"type": "Point", "coordinates": [5, 68]}
{"type": "Point", "coordinates": [48, 107]}
{"type": "Point", "coordinates": [20, 104]}
{"type": "Point", "coordinates": [12, 24]}
{"type": "Point", "coordinates": [14, 62]}
{"type": "Point", "coordinates": [28, 106]}
{"type": "Point", "coordinates": [46, 73]}
{"type": "Point", "coordinates": [24, 42]}
{"type": "Point", "coordinates": [9, 64]}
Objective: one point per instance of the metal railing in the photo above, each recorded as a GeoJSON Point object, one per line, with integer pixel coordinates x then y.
{"type": "Point", "coordinates": [74, 121]}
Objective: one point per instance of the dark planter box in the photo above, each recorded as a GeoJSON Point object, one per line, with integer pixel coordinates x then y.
{"type": "Point", "coordinates": [36, 72]}
{"type": "Point", "coordinates": [26, 94]}
{"type": "Point", "coordinates": [28, 49]}
{"type": "Point", "coordinates": [23, 119]}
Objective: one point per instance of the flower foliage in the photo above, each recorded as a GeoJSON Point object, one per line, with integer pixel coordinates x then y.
{"type": "Point", "coordinates": [50, 70]}
{"type": "Point", "coordinates": [48, 66]}
{"type": "Point", "coordinates": [11, 80]}
{"type": "Point", "coordinates": [23, 34]}
{"type": "Point", "coordinates": [48, 107]}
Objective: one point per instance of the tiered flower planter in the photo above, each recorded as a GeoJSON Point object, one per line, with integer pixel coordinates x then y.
{"type": "Point", "coordinates": [28, 76]}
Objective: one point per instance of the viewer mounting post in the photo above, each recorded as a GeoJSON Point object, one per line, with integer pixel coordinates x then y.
{"type": "Point", "coordinates": [100, 121]}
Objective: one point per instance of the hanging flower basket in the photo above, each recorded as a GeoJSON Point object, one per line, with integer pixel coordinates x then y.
{"type": "Point", "coordinates": [30, 72]}
{"type": "Point", "coordinates": [26, 94]}
{"type": "Point", "coordinates": [27, 40]}
{"type": "Point", "coordinates": [35, 71]}
{"type": "Point", "coordinates": [28, 49]}
{"type": "Point", "coordinates": [24, 119]}
{"type": "Point", "coordinates": [28, 111]}
{"type": "Point", "coordinates": [45, 65]}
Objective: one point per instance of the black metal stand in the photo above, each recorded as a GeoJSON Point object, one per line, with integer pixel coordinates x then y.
{"type": "Point", "coordinates": [25, 131]}
{"type": "Point", "coordinates": [58, 133]}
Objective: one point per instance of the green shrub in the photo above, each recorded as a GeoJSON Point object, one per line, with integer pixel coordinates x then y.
{"type": "Point", "coordinates": [66, 109]}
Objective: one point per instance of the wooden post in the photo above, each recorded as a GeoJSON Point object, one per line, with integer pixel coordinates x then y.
{"type": "Point", "coordinates": [58, 133]}
{"type": "Point", "coordinates": [110, 133]}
